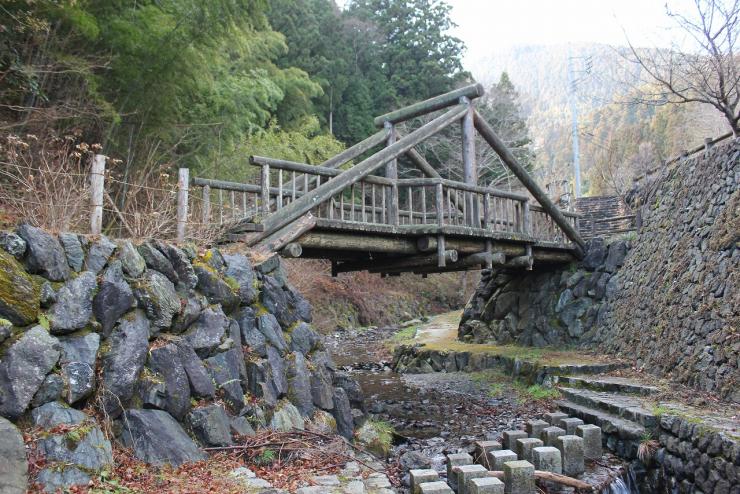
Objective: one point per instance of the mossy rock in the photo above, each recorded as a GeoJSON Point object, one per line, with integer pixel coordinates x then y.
{"type": "Point", "coordinates": [20, 297]}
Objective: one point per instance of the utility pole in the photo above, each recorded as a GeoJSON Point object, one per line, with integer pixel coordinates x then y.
{"type": "Point", "coordinates": [574, 124]}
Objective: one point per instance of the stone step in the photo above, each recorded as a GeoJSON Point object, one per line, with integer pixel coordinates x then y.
{"type": "Point", "coordinates": [622, 406]}
{"type": "Point", "coordinates": [581, 369]}
{"type": "Point", "coordinates": [608, 383]}
{"type": "Point", "coordinates": [610, 424]}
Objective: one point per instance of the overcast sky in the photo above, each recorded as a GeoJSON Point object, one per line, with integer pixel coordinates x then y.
{"type": "Point", "coordinates": [485, 25]}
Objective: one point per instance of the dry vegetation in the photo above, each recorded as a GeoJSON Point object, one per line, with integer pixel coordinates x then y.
{"type": "Point", "coordinates": [364, 299]}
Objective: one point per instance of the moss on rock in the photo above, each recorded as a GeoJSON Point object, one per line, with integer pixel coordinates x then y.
{"type": "Point", "coordinates": [20, 297]}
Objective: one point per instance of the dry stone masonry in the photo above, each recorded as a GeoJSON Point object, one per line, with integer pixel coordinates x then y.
{"type": "Point", "coordinates": [180, 349]}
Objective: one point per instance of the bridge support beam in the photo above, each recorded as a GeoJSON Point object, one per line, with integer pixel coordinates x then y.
{"type": "Point", "coordinates": [395, 264]}
{"type": "Point", "coordinates": [487, 132]}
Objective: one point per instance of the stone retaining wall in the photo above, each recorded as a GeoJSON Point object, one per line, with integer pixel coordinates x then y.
{"type": "Point", "coordinates": [179, 349]}
{"type": "Point", "coordinates": [667, 297]}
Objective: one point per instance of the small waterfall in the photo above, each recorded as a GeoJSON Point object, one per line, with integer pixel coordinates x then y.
{"type": "Point", "coordinates": [624, 484]}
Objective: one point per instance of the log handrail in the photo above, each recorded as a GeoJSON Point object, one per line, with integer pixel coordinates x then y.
{"type": "Point", "coordinates": [430, 105]}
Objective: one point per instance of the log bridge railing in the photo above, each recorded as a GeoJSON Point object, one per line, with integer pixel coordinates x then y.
{"type": "Point", "coordinates": [362, 220]}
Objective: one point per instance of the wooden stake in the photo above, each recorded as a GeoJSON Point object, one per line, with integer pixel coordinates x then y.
{"type": "Point", "coordinates": [97, 185]}
{"type": "Point", "coordinates": [183, 181]}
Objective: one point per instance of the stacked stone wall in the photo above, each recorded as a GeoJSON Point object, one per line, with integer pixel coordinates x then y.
{"type": "Point", "coordinates": [179, 349]}
{"type": "Point", "coordinates": [667, 297]}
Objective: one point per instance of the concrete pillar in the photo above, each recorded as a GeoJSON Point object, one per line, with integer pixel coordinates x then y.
{"type": "Point", "coordinates": [485, 485]}
{"type": "Point", "coordinates": [549, 434]}
{"type": "Point", "coordinates": [571, 449]}
{"type": "Point", "coordinates": [547, 458]}
{"type": "Point", "coordinates": [525, 446]}
{"type": "Point", "coordinates": [482, 448]}
{"type": "Point", "coordinates": [510, 437]}
{"type": "Point", "coordinates": [454, 460]}
{"type": "Point", "coordinates": [419, 477]}
{"type": "Point", "coordinates": [467, 472]}
{"type": "Point", "coordinates": [553, 417]}
{"type": "Point", "coordinates": [591, 435]}
{"type": "Point", "coordinates": [569, 424]}
{"type": "Point", "coordinates": [519, 477]}
{"type": "Point", "coordinates": [438, 487]}
{"type": "Point", "coordinates": [498, 458]}
{"type": "Point", "coordinates": [534, 427]}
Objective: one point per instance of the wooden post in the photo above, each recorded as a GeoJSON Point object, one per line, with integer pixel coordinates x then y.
{"type": "Point", "coordinates": [470, 170]}
{"type": "Point", "coordinates": [97, 186]}
{"type": "Point", "coordinates": [266, 189]}
{"type": "Point", "coordinates": [206, 204]}
{"type": "Point", "coordinates": [391, 171]}
{"type": "Point", "coordinates": [441, 259]}
{"type": "Point", "coordinates": [183, 181]}
{"type": "Point", "coordinates": [487, 132]}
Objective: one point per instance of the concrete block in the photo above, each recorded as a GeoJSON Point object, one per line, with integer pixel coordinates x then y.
{"type": "Point", "coordinates": [454, 460]}
{"type": "Point", "coordinates": [525, 446]}
{"type": "Point", "coordinates": [547, 458]}
{"type": "Point", "coordinates": [485, 485]}
{"type": "Point", "coordinates": [519, 477]}
{"type": "Point", "coordinates": [569, 424]}
{"type": "Point", "coordinates": [550, 434]}
{"type": "Point", "coordinates": [591, 435]}
{"type": "Point", "coordinates": [419, 477]}
{"type": "Point", "coordinates": [571, 449]}
{"type": "Point", "coordinates": [437, 487]}
{"type": "Point", "coordinates": [553, 417]}
{"type": "Point", "coordinates": [498, 458]}
{"type": "Point", "coordinates": [482, 448]}
{"type": "Point", "coordinates": [534, 427]}
{"type": "Point", "coordinates": [467, 472]}
{"type": "Point", "coordinates": [510, 438]}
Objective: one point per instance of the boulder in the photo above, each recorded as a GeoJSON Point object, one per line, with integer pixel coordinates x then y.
{"type": "Point", "coordinates": [343, 413]}
{"type": "Point", "coordinates": [166, 362]}
{"type": "Point", "coordinates": [157, 261]}
{"type": "Point", "coordinates": [350, 385]}
{"type": "Point", "coordinates": [275, 299]}
{"type": "Point", "coordinates": [6, 329]}
{"type": "Point", "coordinates": [53, 414]}
{"type": "Point", "coordinates": [123, 362]}
{"type": "Point", "coordinates": [132, 262]}
{"type": "Point", "coordinates": [73, 251]}
{"type": "Point", "coordinates": [50, 390]}
{"type": "Point", "coordinates": [156, 438]}
{"type": "Point", "coordinates": [189, 313]}
{"type": "Point", "coordinates": [44, 255]}
{"type": "Point", "coordinates": [13, 244]}
{"type": "Point", "coordinates": [276, 371]}
{"type": "Point", "coordinates": [99, 253]}
{"type": "Point", "coordinates": [79, 348]}
{"type": "Point", "coordinates": [616, 256]}
{"type": "Point", "coordinates": [156, 295]}
{"type": "Point", "coordinates": [208, 331]}
{"type": "Point", "coordinates": [79, 381]}
{"type": "Point", "coordinates": [74, 305]}
{"type": "Point", "coordinates": [201, 383]}
{"type": "Point", "coordinates": [210, 424]}
{"type": "Point", "coordinates": [301, 307]}
{"type": "Point", "coordinates": [182, 266]}
{"type": "Point", "coordinates": [595, 254]}
{"type": "Point", "coordinates": [304, 339]}
{"type": "Point", "coordinates": [251, 335]}
{"type": "Point", "coordinates": [216, 290]}
{"type": "Point", "coordinates": [299, 385]}
{"type": "Point", "coordinates": [321, 389]}
{"type": "Point", "coordinates": [14, 467]}
{"type": "Point", "coordinates": [23, 369]}
{"type": "Point", "coordinates": [84, 446]}
{"type": "Point", "coordinates": [111, 302]}
{"type": "Point", "coordinates": [286, 418]}
{"type": "Point", "coordinates": [240, 269]}
{"type": "Point", "coordinates": [226, 369]}
{"type": "Point", "coordinates": [19, 295]}
{"type": "Point", "coordinates": [270, 328]}
{"type": "Point", "coordinates": [56, 480]}
{"type": "Point", "coordinates": [240, 426]}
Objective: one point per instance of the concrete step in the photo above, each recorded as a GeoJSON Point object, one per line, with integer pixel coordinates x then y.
{"type": "Point", "coordinates": [608, 383]}
{"type": "Point", "coordinates": [625, 407]}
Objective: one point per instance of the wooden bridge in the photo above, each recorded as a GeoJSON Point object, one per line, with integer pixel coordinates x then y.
{"type": "Point", "coordinates": [362, 220]}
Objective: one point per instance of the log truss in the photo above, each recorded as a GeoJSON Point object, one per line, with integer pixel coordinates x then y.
{"type": "Point", "coordinates": [362, 219]}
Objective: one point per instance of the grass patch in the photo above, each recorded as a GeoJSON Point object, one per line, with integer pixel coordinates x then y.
{"type": "Point", "coordinates": [404, 336]}
{"type": "Point", "coordinates": [500, 384]}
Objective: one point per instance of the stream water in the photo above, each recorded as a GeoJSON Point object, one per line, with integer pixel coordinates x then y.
{"type": "Point", "coordinates": [439, 413]}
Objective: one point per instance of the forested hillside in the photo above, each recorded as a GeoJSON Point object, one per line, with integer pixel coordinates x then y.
{"type": "Point", "coordinates": [618, 137]}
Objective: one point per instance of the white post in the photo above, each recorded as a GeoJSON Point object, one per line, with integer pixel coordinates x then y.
{"type": "Point", "coordinates": [97, 177]}
{"type": "Point", "coordinates": [183, 181]}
